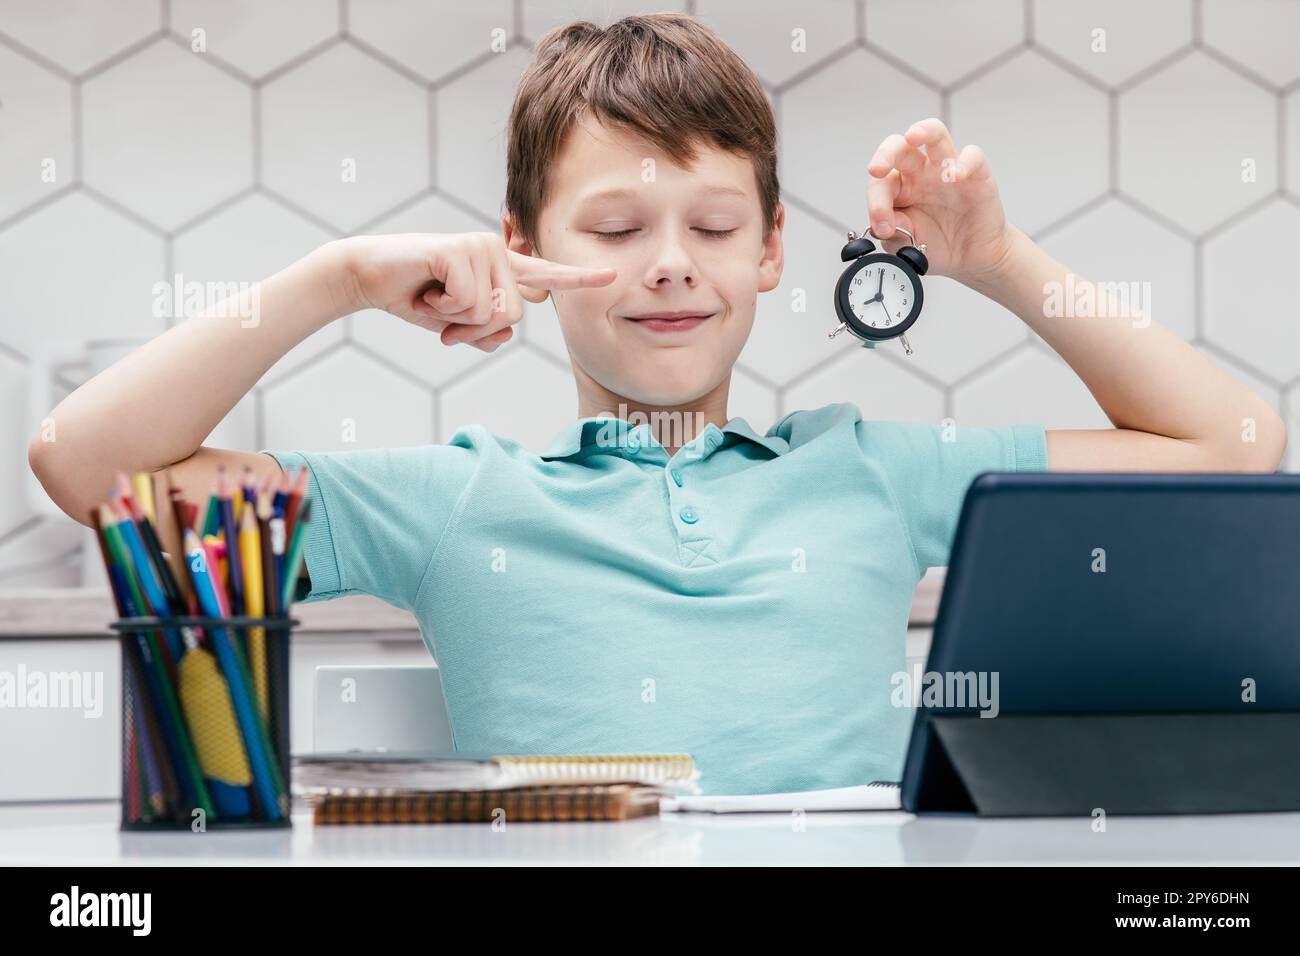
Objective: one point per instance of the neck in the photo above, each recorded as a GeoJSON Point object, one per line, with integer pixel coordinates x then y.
{"type": "Point", "coordinates": [672, 425]}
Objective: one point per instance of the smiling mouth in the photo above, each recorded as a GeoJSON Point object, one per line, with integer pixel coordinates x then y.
{"type": "Point", "coordinates": [670, 321]}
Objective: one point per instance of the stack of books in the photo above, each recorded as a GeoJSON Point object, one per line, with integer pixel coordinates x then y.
{"type": "Point", "coordinates": [468, 788]}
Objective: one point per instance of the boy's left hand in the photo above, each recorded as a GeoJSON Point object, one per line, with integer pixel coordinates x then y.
{"type": "Point", "coordinates": [948, 200]}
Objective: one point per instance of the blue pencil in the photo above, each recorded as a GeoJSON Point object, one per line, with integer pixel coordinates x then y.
{"type": "Point", "coordinates": [233, 563]}
{"type": "Point", "coordinates": [245, 716]}
{"type": "Point", "coordinates": [146, 575]}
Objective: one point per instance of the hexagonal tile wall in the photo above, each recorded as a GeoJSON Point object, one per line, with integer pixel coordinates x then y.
{"type": "Point", "coordinates": [36, 162]}
{"type": "Point", "coordinates": [1153, 143]}
{"type": "Point", "coordinates": [167, 151]}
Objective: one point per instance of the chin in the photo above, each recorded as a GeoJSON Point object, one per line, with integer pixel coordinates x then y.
{"type": "Point", "coordinates": [676, 387]}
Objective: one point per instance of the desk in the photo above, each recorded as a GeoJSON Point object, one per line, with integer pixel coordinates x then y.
{"type": "Point", "coordinates": [87, 835]}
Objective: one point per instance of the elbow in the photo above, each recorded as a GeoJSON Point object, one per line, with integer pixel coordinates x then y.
{"type": "Point", "coordinates": [38, 456]}
{"type": "Point", "coordinates": [43, 459]}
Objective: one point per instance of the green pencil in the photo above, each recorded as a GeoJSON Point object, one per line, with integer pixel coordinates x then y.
{"type": "Point", "coordinates": [190, 766]}
{"type": "Point", "coordinates": [294, 558]}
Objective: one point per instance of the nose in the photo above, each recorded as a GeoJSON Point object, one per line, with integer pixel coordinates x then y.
{"type": "Point", "coordinates": [672, 262]}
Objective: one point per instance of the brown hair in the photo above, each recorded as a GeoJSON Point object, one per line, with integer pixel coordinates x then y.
{"type": "Point", "coordinates": [663, 76]}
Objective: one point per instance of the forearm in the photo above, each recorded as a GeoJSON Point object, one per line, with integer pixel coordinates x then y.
{"type": "Point", "coordinates": [156, 406]}
{"type": "Point", "coordinates": [1144, 377]}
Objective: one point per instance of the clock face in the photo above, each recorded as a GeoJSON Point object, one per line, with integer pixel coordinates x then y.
{"type": "Point", "coordinates": [883, 294]}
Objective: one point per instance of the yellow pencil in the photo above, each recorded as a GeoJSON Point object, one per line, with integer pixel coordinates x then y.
{"type": "Point", "coordinates": [142, 488]}
{"type": "Point", "coordinates": [250, 553]}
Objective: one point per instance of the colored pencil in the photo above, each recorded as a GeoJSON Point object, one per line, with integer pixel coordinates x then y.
{"type": "Point", "coordinates": [252, 730]}
{"type": "Point", "coordinates": [157, 678]}
{"type": "Point", "coordinates": [294, 558]}
{"type": "Point", "coordinates": [250, 556]}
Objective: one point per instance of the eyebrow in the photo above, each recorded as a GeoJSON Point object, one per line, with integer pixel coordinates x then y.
{"type": "Point", "coordinates": [626, 193]}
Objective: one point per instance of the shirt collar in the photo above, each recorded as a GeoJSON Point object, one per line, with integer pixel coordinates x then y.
{"type": "Point", "coordinates": [616, 435]}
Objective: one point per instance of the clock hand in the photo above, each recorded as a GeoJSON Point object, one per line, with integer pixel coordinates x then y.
{"type": "Point", "coordinates": [880, 288]}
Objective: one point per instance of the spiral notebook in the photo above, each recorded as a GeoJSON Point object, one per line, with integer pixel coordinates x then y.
{"type": "Point", "coordinates": [466, 788]}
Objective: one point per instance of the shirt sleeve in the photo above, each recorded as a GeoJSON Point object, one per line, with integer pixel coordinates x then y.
{"type": "Point", "coordinates": [930, 467]}
{"type": "Point", "coordinates": [377, 516]}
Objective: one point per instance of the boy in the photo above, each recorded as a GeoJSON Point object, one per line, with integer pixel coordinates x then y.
{"type": "Point", "coordinates": [691, 586]}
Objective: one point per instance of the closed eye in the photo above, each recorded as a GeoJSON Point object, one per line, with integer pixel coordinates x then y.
{"type": "Point", "coordinates": [623, 233]}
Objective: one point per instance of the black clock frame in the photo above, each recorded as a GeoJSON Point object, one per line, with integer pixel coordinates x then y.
{"type": "Point", "coordinates": [845, 308]}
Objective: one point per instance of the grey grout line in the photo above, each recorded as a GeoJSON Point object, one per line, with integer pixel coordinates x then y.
{"type": "Point", "coordinates": [1160, 219]}
{"type": "Point", "coordinates": [383, 59]}
{"type": "Point", "coordinates": [216, 209]}
{"type": "Point", "coordinates": [988, 66]}
{"type": "Point", "coordinates": [1154, 69]}
{"type": "Point", "coordinates": [1001, 357]}
{"type": "Point", "coordinates": [431, 117]}
{"type": "Point", "coordinates": [408, 203]}
{"type": "Point", "coordinates": [45, 63]}
{"type": "Point", "coordinates": [901, 65]}
{"type": "Point", "coordinates": [755, 375]}
{"type": "Point", "coordinates": [823, 365]}
{"type": "Point", "coordinates": [33, 208]}
{"type": "Point", "coordinates": [539, 351]}
{"type": "Point", "coordinates": [289, 205]}
{"type": "Point", "coordinates": [1112, 146]}
{"type": "Point", "coordinates": [379, 358]}
{"type": "Point", "coordinates": [213, 60]}
{"type": "Point", "coordinates": [834, 57]}
{"type": "Point", "coordinates": [1070, 217]}
{"type": "Point", "coordinates": [435, 416]}
{"type": "Point", "coordinates": [126, 53]}
{"type": "Point", "coordinates": [808, 209]}
{"type": "Point", "coordinates": [19, 529]}
{"type": "Point", "coordinates": [298, 60]}
{"type": "Point", "coordinates": [1235, 219]}
{"type": "Point", "coordinates": [255, 134]}
{"type": "Point", "coordinates": [78, 131]}
{"type": "Point", "coordinates": [259, 417]}
{"type": "Point", "coordinates": [1280, 119]}
{"type": "Point", "coordinates": [1198, 289]}
{"type": "Point", "coordinates": [861, 40]}
{"type": "Point", "coordinates": [474, 212]}
{"type": "Point", "coordinates": [1069, 66]}
{"type": "Point", "coordinates": [910, 367]}
{"type": "Point", "coordinates": [304, 365]}
{"type": "Point", "coordinates": [1240, 69]}
{"type": "Point", "coordinates": [68, 559]}
{"type": "Point", "coordinates": [126, 213]}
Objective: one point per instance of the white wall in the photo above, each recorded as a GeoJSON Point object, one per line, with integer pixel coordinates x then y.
{"type": "Point", "coordinates": [225, 165]}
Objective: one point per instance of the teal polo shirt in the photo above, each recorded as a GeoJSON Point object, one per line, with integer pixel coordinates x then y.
{"type": "Point", "coordinates": [744, 600]}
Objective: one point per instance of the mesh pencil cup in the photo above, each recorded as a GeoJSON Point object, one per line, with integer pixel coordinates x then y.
{"type": "Point", "coordinates": [205, 722]}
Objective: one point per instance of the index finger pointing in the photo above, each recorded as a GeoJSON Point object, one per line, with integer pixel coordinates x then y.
{"type": "Point", "coordinates": [544, 274]}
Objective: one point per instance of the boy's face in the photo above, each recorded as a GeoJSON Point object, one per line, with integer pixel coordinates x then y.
{"type": "Point", "coordinates": [682, 240]}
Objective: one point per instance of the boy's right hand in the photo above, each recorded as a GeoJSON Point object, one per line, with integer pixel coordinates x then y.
{"type": "Point", "coordinates": [468, 287]}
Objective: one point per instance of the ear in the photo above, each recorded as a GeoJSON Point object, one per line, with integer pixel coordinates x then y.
{"type": "Point", "coordinates": [773, 261]}
{"type": "Point", "coordinates": [515, 242]}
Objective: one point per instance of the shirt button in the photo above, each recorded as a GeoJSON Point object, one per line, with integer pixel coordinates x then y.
{"type": "Point", "coordinates": [690, 515]}
{"type": "Point", "coordinates": [677, 477]}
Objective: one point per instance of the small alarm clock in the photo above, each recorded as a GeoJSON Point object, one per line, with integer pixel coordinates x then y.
{"type": "Point", "coordinates": [879, 295]}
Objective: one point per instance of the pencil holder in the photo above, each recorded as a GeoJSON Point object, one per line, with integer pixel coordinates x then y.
{"type": "Point", "coordinates": [205, 722]}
